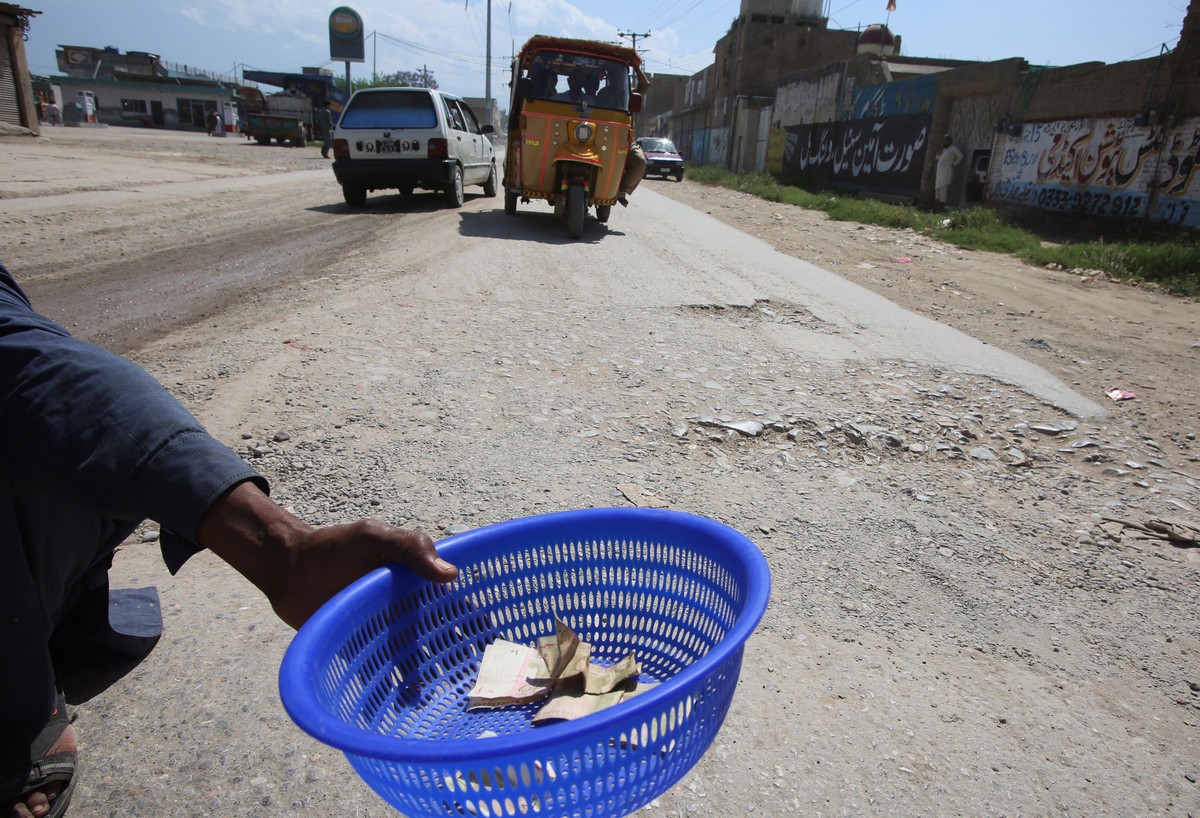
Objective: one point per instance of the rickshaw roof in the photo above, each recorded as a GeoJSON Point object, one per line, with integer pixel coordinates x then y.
{"type": "Point", "coordinates": [541, 42]}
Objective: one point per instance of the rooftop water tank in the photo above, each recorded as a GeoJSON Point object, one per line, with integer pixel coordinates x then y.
{"type": "Point", "coordinates": [804, 9]}
{"type": "Point", "coordinates": [878, 39]}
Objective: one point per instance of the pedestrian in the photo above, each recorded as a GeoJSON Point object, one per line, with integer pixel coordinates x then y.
{"type": "Point", "coordinates": [948, 158]}
{"type": "Point", "coordinates": [53, 115]}
{"type": "Point", "coordinates": [90, 445]}
{"type": "Point", "coordinates": [326, 122]}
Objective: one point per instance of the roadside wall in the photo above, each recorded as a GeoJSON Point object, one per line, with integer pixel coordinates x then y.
{"type": "Point", "coordinates": [1106, 143]}
{"type": "Point", "coordinates": [1090, 141]}
{"type": "Point", "coordinates": [877, 143]}
{"type": "Point", "coordinates": [1102, 168]}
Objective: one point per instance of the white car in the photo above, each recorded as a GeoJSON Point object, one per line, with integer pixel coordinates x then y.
{"type": "Point", "coordinates": [409, 138]}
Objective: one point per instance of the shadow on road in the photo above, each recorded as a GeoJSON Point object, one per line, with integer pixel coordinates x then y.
{"type": "Point", "coordinates": [541, 226]}
{"type": "Point", "coordinates": [382, 204]}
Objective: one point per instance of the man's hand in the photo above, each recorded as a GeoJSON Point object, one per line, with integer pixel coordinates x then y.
{"type": "Point", "coordinates": [299, 567]}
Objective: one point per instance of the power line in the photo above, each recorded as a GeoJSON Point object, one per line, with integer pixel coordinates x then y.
{"type": "Point", "coordinates": [634, 37]}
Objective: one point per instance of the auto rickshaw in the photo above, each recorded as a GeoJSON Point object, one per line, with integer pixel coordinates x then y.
{"type": "Point", "coordinates": [570, 126]}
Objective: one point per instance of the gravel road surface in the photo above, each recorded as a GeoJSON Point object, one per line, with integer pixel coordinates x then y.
{"type": "Point", "coordinates": [966, 618]}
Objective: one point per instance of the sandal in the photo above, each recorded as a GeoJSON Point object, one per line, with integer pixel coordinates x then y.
{"type": "Point", "coordinates": [58, 768]}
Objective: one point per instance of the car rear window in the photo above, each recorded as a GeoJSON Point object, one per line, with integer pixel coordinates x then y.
{"type": "Point", "coordinates": [390, 109]}
{"type": "Point", "coordinates": [658, 145]}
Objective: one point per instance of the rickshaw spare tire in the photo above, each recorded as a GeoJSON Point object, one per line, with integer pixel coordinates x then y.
{"type": "Point", "coordinates": [576, 209]}
{"type": "Point", "coordinates": [603, 212]}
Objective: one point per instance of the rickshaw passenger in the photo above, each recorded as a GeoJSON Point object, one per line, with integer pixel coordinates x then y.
{"type": "Point", "coordinates": [615, 93]}
{"type": "Point", "coordinates": [576, 92]}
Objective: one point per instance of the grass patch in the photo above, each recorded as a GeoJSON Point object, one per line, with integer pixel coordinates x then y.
{"type": "Point", "coordinates": [1173, 265]}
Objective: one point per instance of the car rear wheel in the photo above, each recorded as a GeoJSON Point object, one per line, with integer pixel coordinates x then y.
{"type": "Point", "coordinates": [454, 193]}
{"type": "Point", "coordinates": [355, 195]}
{"type": "Point", "coordinates": [489, 187]}
{"type": "Point", "coordinates": [510, 203]}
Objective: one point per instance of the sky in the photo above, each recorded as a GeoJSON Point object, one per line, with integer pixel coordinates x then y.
{"type": "Point", "coordinates": [449, 37]}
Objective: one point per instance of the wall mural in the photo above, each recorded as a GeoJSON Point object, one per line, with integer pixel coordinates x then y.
{"type": "Point", "coordinates": [880, 154]}
{"type": "Point", "coordinates": [1104, 168]}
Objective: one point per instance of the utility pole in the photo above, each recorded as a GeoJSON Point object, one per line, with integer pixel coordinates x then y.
{"type": "Point", "coordinates": [634, 37]}
{"type": "Point", "coordinates": [487, 91]}
{"type": "Point", "coordinates": [487, 82]}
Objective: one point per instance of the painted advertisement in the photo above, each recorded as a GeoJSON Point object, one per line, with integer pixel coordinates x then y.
{"type": "Point", "coordinates": [810, 100]}
{"type": "Point", "coordinates": [884, 155]}
{"type": "Point", "coordinates": [911, 96]}
{"type": "Point", "coordinates": [1104, 168]}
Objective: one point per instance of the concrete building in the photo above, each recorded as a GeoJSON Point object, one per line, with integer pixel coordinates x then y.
{"type": "Point", "coordinates": [768, 39]}
{"type": "Point", "coordinates": [488, 116]}
{"type": "Point", "coordinates": [664, 96]}
{"type": "Point", "coordinates": [18, 105]}
{"type": "Point", "coordinates": [102, 85]}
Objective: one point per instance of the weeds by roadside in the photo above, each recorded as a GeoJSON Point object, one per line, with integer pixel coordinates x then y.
{"type": "Point", "coordinates": [1171, 265]}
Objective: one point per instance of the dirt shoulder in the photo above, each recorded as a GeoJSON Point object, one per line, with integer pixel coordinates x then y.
{"type": "Point", "coordinates": [1092, 333]}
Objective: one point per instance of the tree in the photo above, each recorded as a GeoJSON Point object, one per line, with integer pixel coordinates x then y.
{"type": "Point", "coordinates": [401, 79]}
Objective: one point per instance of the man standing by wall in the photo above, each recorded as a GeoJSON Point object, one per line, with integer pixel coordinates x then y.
{"type": "Point", "coordinates": [948, 157]}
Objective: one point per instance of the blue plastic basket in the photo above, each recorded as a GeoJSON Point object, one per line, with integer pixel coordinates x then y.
{"type": "Point", "coordinates": [382, 671]}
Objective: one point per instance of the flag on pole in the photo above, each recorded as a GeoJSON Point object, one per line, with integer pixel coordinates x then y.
{"type": "Point", "coordinates": [891, 5]}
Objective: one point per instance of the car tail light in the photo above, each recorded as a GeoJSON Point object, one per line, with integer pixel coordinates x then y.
{"type": "Point", "coordinates": [341, 149]}
{"type": "Point", "coordinates": [438, 149]}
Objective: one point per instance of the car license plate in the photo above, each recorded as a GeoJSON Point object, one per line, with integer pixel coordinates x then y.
{"type": "Point", "coordinates": [397, 146]}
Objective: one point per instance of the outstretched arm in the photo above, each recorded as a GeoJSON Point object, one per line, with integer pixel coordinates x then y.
{"type": "Point", "coordinates": [299, 567]}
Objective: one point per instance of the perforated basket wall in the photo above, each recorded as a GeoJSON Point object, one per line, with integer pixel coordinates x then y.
{"type": "Point", "coordinates": [383, 670]}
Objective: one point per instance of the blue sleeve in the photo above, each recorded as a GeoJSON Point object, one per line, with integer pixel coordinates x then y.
{"type": "Point", "coordinates": [81, 422]}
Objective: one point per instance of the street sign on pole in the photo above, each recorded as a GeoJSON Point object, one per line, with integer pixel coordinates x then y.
{"type": "Point", "coordinates": [346, 36]}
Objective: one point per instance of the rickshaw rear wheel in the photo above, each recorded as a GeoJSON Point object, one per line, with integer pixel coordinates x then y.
{"type": "Point", "coordinates": [576, 208]}
{"type": "Point", "coordinates": [510, 203]}
{"type": "Point", "coordinates": [603, 212]}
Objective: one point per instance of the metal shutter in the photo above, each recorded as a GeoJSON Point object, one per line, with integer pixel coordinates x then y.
{"type": "Point", "coordinates": [10, 109]}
